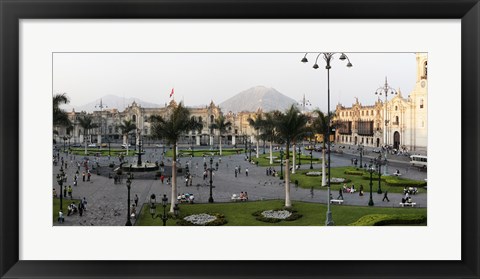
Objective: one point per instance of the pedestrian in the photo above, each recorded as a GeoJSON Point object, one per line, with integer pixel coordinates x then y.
{"type": "Point", "coordinates": [162, 177]}
{"type": "Point", "coordinates": [266, 172]}
{"type": "Point", "coordinates": [64, 192]}
{"type": "Point", "coordinates": [70, 191]}
{"type": "Point", "coordinates": [360, 193]}
{"type": "Point", "coordinates": [216, 166]}
{"type": "Point", "coordinates": [246, 171]}
{"type": "Point", "coordinates": [60, 217]}
{"type": "Point", "coordinates": [83, 176]}
{"type": "Point", "coordinates": [84, 203]}
{"type": "Point", "coordinates": [80, 208]}
{"type": "Point", "coordinates": [236, 172]}
{"type": "Point", "coordinates": [136, 200]}
{"type": "Point", "coordinates": [311, 192]}
{"type": "Point", "coordinates": [385, 197]}
{"type": "Point", "coordinates": [340, 194]}
{"type": "Point", "coordinates": [75, 183]}
{"type": "Point", "coordinates": [239, 170]}
{"type": "Point", "coordinates": [88, 175]}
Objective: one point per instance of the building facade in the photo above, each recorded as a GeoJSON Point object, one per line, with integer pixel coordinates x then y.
{"type": "Point", "coordinates": [400, 122]}
{"type": "Point", "coordinates": [109, 120]}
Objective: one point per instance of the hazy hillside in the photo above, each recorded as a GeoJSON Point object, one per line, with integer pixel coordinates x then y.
{"type": "Point", "coordinates": [252, 99]}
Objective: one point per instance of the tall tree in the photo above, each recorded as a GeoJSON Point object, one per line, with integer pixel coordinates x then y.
{"type": "Point", "coordinates": [171, 128]}
{"type": "Point", "coordinates": [290, 126]}
{"type": "Point", "coordinates": [269, 131]}
{"type": "Point", "coordinates": [257, 124]}
{"type": "Point", "coordinates": [221, 124]}
{"type": "Point", "coordinates": [126, 127]}
{"type": "Point", "coordinates": [60, 117]}
{"type": "Point", "coordinates": [86, 123]}
{"type": "Point", "coordinates": [320, 126]}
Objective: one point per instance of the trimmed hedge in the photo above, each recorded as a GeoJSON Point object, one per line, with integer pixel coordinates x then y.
{"type": "Point", "coordinates": [385, 219]}
{"type": "Point", "coordinates": [259, 217]}
{"type": "Point", "coordinates": [354, 172]}
{"type": "Point", "coordinates": [221, 220]}
{"type": "Point", "coordinates": [402, 182]}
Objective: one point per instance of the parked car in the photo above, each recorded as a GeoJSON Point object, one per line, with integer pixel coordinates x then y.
{"type": "Point", "coordinates": [92, 145]}
{"type": "Point", "coordinates": [125, 145]}
{"type": "Point", "coordinates": [104, 145]}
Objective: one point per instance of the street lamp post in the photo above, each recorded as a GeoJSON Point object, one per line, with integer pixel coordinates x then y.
{"type": "Point", "coordinates": [299, 156]}
{"type": "Point", "coordinates": [164, 216]}
{"type": "Point", "coordinates": [210, 199]}
{"type": "Point", "coordinates": [281, 164]}
{"type": "Point", "coordinates": [311, 159]}
{"type": "Point", "coordinates": [371, 170]}
{"type": "Point", "coordinates": [379, 191]}
{"type": "Point", "coordinates": [360, 149]}
{"type": "Point", "coordinates": [60, 178]}
{"type": "Point", "coordinates": [250, 145]}
{"type": "Point", "coordinates": [327, 56]}
{"type": "Point", "coordinates": [129, 184]}
{"type": "Point", "coordinates": [385, 90]}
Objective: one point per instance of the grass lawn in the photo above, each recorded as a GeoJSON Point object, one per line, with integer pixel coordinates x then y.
{"type": "Point", "coordinates": [240, 213]}
{"type": "Point", "coordinates": [264, 159]}
{"type": "Point", "coordinates": [102, 151]}
{"type": "Point", "coordinates": [65, 203]}
{"type": "Point", "coordinates": [394, 184]}
{"type": "Point", "coordinates": [206, 152]}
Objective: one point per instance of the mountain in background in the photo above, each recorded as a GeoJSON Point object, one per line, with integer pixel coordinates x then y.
{"type": "Point", "coordinates": [110, 101]}
{"type": "Point", "coordinates": [252, 99]}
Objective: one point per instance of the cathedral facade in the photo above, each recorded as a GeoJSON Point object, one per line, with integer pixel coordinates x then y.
{"type": "Point", "coordinates": [400, 122]}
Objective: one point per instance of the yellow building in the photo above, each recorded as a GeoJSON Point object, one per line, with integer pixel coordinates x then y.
{"type": "Point", "coordinates": [400, 122]}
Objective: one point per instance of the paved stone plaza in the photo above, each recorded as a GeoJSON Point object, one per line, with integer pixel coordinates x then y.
{"type": "Point", "coordinates": [107, 202]}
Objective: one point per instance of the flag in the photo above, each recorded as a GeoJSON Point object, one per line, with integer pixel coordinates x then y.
{"type": "Point", "coordinates": [171, 94]}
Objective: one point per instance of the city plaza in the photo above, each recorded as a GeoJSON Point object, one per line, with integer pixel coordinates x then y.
{"type": "Point", "coordinates": [389, 130]}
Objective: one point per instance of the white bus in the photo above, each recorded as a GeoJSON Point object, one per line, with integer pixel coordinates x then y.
{"type": "Point", "coordinates": [418, 161]}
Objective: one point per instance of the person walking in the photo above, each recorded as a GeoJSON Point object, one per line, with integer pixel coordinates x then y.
{"type": "Point", "coordinates": [236, 171]}
{"type": "Point", "coordinates": [83, 176]}
{"type": "Point", "coordinates": [340, 194]}
{"type": "Point", "coordinates": [360, 193]}
{"type": "Point", "coordinates": [385, 196]}
{"type": "Point", "coordinates": [84, 203]}
{"type": "Point", "coordinates": [246, 171]}
{"type": "Point", "coordinates": [88, 175]}
{"type": "Point", "coordinates": [70, 191]}
{"type": "Point", "coordinates": [136, 200]}
{"type": "Point", "coordinates": [80, 208]}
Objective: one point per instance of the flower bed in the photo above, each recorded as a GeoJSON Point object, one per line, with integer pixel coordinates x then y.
{"type": "Point", "coordinates": [203, 219]}
{"type": "Point", "coordinates": [313, 173]}
{"type": "Point", "coordinates": [277, 215]}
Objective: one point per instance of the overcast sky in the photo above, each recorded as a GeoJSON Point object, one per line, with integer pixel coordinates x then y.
{"type": "Point", "coordinates": [201, 77]}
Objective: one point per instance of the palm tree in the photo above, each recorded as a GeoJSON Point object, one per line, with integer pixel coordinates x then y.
{"type": "Point", "coordinates": [320, 125]}
{"type": "Point", "coordinates": [171, 128]}
{"type": "Point", "coordinates": [221, 126]}
{"type": "Point", "coordinates": [126, 127]}
{"type": "Point", "coordinates": [270, 133]}
{"type": "Point", "coordinates": [60, 117]}
{"type": "Point", "coordinates": [257, 124]}
{"type": "Point", "coordinates": [86, 123]}
{"type": "Point", "coordinates": [290, 126]}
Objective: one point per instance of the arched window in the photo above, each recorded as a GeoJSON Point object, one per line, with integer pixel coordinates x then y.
{"type": "Point", "coordinates": [212, 118]}
{"type": "Point", "coordinates": [134, 118]}
{"type": "Point", "coordinates": [396, 108]}
{"type": "Point", "coordinates": [200, 119]}
{"type": "Point", "coordinates": [421, 103]}
{"type": "Point", "coordinates": [396, 119]}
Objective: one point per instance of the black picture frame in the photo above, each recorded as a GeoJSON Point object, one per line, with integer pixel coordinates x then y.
{"type": "Point", "coordinates": [12, 11]}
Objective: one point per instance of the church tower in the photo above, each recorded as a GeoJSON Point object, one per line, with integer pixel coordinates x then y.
{"type": "Point", "coordinates": [419, 104]}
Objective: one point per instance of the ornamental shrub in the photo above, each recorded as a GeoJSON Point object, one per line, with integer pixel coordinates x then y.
{"type": "Point", "coordinates": [386, 219]}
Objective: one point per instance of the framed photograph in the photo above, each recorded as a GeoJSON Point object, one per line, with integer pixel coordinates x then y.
{"type": "Point", "coordinates": [188, 139]}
